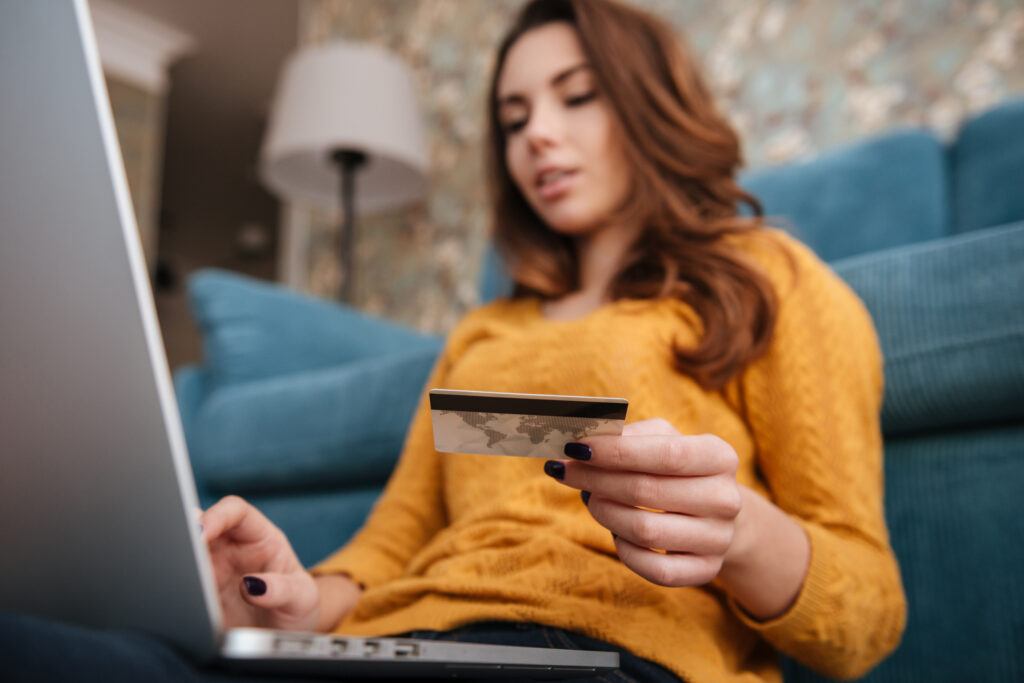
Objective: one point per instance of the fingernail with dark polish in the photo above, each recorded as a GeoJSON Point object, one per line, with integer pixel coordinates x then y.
{"type": "Point", "coordinates": [555, 469]}
{"type": "Point", "coordinates": [254, 586]}
{"type": "Point", "coordinates": [585, 495]}
{"type": "Point", "coordinates": [579, 451]}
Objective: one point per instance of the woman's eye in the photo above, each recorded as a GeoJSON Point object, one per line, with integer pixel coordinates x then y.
{"type": "Point", "coordinates": [581, 99]}
{"type": "Point", "coordinates": [513, 126]}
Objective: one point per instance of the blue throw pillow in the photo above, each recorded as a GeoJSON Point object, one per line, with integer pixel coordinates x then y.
{"type": "Point", "coordinates": [253, 330]}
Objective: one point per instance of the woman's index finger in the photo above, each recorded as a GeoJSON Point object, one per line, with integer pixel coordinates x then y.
{"type": "Point", "coordinates": [666, 454]}
{"type": "Point", "coordinates": [233, 515]}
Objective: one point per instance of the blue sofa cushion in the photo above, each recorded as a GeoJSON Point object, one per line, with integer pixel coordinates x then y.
{"type": "Point", "coordinates": [988, 169]}
{"type": "Point", "coordinates": [342, 426]}
{"type": "Point", "coordinates": [253, 329]}
{"type": "Point", "coordinates": [951, 326]}
{"type": "Point", "coordinates": [887, 191]}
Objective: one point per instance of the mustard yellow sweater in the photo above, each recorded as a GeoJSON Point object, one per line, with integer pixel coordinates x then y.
{"type": "Point", "coordinates": [461, 538]}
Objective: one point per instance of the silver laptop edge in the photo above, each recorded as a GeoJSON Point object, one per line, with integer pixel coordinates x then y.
{"type": "Point", "coordinates": [151, 328]}
{"type": "Point", "coordinates": [387, 656]}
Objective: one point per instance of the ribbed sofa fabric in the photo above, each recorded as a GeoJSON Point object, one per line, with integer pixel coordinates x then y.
{"type": "Point", "coordinates": [885, 192]}
{"type": "Point", "coordinates": [950, 318]}
{"type": "Point", "coordinates": [987, 166]}
{"type": "Point", "coordinates": [341, 427]}
{"type": "Point", "coordinates": [253, 329]}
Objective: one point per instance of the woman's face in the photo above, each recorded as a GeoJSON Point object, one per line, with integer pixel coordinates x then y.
{"type": "Point", "coordinates": [562, 148]}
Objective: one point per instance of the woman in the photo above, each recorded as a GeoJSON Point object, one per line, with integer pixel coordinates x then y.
{"type": "Point", "coordinates": [740, 512]}
{"type": "Point", "coordinates": [744, 500]}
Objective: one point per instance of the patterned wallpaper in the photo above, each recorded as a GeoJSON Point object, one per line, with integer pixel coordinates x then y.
{"type": "Point", "coordinates": [796, 77]}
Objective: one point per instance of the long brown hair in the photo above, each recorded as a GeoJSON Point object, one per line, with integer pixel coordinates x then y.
{"type": "Point", "coordinates": [683, 156]}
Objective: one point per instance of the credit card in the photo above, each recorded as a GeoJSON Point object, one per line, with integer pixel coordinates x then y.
{"type": "Point", "coordinates": [533, 425]}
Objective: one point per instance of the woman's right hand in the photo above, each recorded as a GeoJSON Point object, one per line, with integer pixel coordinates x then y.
{"type": "Point", "coordinates": [259, 579]}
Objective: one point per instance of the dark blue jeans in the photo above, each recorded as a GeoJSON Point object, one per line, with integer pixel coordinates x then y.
{"type": "Point", "coordinates": [33, 649]}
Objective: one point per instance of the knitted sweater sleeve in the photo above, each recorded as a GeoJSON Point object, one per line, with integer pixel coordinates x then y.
{"type": "Point", "coordinates": [813, 405]}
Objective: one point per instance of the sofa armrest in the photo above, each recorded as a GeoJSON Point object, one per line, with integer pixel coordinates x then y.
{"type": "Point", "coordinates": [951, 327]}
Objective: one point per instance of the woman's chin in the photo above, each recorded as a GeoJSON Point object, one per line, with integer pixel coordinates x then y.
{"type": "Point", "coordinates": [572, 225]}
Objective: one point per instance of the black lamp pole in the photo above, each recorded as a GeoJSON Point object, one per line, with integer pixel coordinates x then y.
{"type": "Point", "coordinates": [348, 161]}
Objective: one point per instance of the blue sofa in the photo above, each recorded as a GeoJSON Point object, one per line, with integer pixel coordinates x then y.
{"type": "Point", "coordinates": [301, 406]}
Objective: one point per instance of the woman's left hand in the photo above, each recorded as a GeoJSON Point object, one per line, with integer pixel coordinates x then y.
{"type": "Point", "coordinates": [654, 488]}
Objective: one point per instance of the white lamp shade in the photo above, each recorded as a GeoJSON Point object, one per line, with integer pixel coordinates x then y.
{"type": "Point", "coordinates": [352, 96]}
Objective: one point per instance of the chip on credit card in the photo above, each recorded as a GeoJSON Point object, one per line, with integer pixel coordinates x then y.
{"type": "Point", "coordinates": [533, 425]}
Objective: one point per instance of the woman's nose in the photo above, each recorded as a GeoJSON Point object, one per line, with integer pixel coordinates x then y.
{"type": "Point", "coordinates": [544, 128]}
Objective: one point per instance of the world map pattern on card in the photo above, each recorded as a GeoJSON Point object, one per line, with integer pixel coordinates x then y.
{"type": "Point", "coordinates": [542, 436]}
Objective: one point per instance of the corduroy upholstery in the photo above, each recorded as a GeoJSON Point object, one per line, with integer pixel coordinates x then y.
{"type": "Point", "coordinates": [948, 360]}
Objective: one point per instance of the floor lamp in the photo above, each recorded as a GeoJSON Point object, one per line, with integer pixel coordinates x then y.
{"type": "Point", "coordinates": [345, 118]}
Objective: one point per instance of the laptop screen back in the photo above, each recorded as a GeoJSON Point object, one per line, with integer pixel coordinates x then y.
{"type": "Point", "coordinates": [96, 493]}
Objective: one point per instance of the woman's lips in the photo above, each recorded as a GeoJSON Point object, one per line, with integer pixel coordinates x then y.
{"type": "Point", "coordinates": [558, 187]}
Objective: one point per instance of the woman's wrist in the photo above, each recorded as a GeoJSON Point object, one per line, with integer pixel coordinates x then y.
{"type": "Point", "coordinates": [767, 563]}
{"type": "Point", "coordinates": [339, 593]}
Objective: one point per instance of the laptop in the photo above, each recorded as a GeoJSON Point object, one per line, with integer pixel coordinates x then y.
{"type": "Point", "coordinates": [96, 491]}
